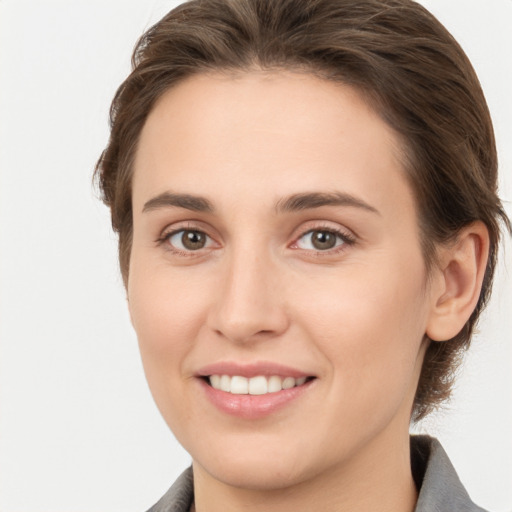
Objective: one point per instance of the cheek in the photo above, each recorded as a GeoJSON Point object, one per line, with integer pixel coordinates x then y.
{"type": "Point", "coordinates": [369, 326]}
{"type": "Point", "coordinates": [166, 313]}
{"type": "Point", "coordinates": [166, 316]}
{"type": "Point", "coordinates": [163, 304]}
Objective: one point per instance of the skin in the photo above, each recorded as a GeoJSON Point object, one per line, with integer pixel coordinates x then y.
{"type": "Point", "coordinates": [354, 316]}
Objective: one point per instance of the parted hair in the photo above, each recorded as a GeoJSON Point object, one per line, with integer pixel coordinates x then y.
{"type": "Point", "coordinates": [402, 60]}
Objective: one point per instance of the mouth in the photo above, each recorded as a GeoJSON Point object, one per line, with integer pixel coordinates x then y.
{"type": "Point", "coordinates": [254, 390]}
{"type": "Point", "coordinates": [257, 385]}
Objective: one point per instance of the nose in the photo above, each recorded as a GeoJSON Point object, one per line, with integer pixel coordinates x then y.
{"type": "Point", "coordinates": [250, 304]}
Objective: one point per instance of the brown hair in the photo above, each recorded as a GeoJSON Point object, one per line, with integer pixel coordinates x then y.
{"type": "Point", "coordinates": [395, 53]}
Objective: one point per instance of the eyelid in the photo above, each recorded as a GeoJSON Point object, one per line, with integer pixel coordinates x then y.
{"type": "Point", "coordinates": [173, 234]}
{"type": "Point", "coordinates": [173, 229]}
{"type": "Point", "coordinates": [347, 236]}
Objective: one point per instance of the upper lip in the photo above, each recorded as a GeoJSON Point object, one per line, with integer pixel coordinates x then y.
{"type": "Point", "coordinates": [265, 368]}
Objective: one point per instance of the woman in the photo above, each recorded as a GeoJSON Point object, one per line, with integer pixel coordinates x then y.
{"type": "Point", "coordinates": [305, 196]}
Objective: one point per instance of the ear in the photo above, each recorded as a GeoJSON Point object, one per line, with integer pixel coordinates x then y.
{"type": "Point", "coordinates": [457, 282]}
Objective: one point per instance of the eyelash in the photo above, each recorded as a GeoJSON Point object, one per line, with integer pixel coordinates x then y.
{"type": "Point", "coordinates": [346, 239]}
{"type": "Point", "coordinates": [164, 239]}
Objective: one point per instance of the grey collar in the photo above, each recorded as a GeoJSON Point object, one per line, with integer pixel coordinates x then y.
{"type": "Point", "coordinates": [439, 486]}
{"type": "Point", "coordinates": [440, 489]}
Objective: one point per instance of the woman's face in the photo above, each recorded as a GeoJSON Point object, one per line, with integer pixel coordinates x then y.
{"type": "Point", "coordinates": [276, 244]}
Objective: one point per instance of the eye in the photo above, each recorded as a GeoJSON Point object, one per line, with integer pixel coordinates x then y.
{"type": "Point", "coordinates": [321, 240]}
{"type": "Point", "coordinates": [189, 240]}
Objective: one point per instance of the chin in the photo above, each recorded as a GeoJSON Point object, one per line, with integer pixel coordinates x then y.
{"type": "Point", "coordinates": [257, 466]}
{"type": "Point", "coordinates": [264, 476]}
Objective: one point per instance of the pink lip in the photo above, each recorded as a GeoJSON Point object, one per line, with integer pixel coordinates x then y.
{"type": "Point", "coordinates": [252, 407]}
{"type": "Point", "coordinates": [265, 368]}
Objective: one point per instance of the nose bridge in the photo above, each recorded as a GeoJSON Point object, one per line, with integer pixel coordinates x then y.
{"type": "Point", "coordinates": [249, 300]}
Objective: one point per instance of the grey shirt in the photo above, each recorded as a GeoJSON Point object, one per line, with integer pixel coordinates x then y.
{"type": "Point", "coordinates": [440, 489]}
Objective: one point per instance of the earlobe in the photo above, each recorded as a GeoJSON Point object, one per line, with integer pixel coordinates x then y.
{"type": "Point", "coordinates": [458, 282]}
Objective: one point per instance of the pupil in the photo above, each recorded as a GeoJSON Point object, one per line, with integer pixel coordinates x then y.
{"type": "Point", "coordinates": [323, 240]}
{"type": "Point", "coordinates": [193, 240]}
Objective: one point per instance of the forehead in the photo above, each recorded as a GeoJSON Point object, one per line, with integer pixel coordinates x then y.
{"type": "Point", "coordinates": [270, 133]}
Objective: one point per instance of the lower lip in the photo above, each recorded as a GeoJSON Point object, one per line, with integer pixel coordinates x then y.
{"type": "Point", "coordinates": [253, 406]}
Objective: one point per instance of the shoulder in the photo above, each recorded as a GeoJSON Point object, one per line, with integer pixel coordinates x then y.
{"type": "Point", "coordinates": [439, 486]}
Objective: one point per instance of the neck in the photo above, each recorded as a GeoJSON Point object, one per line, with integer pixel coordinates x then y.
{"type": "Point", "coordinates": [378, 478]}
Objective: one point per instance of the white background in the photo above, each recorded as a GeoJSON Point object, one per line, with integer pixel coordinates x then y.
{"type": "Point", "coordinates": [78, 428]}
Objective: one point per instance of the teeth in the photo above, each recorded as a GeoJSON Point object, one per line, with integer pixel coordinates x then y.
{"type": "Point", "coordinates": [274, 384]}
{"type": "Point", "coordinates": [288, 383]}
{"type": "Point", "coordinates": [259, 385]}
{"type": "Point", "coordinates": [239, 385]}
{"type": "Point", "coordinates": [215, 381]}
{"type": "Point", "coordinates": [225, 383]}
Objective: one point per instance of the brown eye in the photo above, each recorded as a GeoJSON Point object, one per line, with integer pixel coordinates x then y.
{"type": "Point", "coordinates": [189, 240]}
{"type": "Point", "coordinates": [323, 240]}
{"type": "Point", "coordinates": [193, 240]}
{"type": "Point", "coordinates": [320, 240]}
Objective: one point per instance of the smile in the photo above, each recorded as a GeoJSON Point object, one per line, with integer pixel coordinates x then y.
{"type": "Point", "coordinates": [258, 385]}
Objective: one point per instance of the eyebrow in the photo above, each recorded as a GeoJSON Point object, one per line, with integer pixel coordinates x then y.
{"type": "Point", "coordinates": [187, 201]}
{"type": "Point", "coordinates": [308, 200]}
{"type": "Point", "coordinates": [293, 203]}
